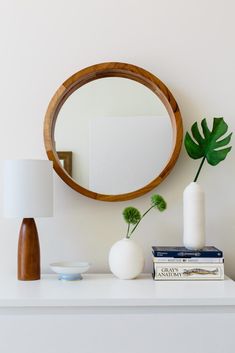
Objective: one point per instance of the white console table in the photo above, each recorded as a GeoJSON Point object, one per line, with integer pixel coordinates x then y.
{"type": "Point", "coordinates": [102, 314]}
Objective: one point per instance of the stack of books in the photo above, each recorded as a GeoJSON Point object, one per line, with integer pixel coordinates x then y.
{"type": "Point", "coordinates": [179, 263]}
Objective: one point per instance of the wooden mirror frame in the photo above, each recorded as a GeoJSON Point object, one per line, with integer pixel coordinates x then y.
{"type": "Point", "coordinates": [112, 69]}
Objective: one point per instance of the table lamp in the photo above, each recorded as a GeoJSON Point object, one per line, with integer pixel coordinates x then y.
{"type": "Point", "coordinates": [28, 193]}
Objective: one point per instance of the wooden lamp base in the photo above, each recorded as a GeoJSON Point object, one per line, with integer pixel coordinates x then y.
{"type": "Point", "coordinates": [28, 251]}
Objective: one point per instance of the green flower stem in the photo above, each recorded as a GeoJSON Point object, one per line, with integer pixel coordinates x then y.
{"type": "Point", "coordinates": [128, 228]}
{"type": "Point", "coordinates": [199, 169]}
{"type": "Point", "coordinates": [141, 219]}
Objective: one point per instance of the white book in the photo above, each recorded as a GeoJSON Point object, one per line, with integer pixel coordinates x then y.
{"type": "Point", "coordinates": [189, 259]}
{"type": "Point", "coordinates": [188, 271]}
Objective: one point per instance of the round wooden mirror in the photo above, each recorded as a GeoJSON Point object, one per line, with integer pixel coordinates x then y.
{"type": "Point", "coordinates": [113, 131]}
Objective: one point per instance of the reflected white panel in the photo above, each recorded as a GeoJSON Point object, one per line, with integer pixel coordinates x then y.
{"type": "Point", "coordinates": [126, 153]}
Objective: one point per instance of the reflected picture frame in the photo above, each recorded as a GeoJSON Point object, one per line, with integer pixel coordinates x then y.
{"type": "Point", "coordinates": [66, 160]}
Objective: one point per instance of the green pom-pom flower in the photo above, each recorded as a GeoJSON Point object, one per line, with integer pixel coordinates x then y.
{"type": "Point", "coordinates": [158, 202]}
{"type": "Point", "coordinates": [131, 215]}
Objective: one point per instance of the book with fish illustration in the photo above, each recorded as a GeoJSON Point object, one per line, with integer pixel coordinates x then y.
{"type": "Point", "coordinates": [188, 271]}
{"type": "Point", "coordinates": [182, 252]}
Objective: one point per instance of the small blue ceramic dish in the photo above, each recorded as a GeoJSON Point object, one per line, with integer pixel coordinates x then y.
{"type": "Point", "coordinates": [70, 271]}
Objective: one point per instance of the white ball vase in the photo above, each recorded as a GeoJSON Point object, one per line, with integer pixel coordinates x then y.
{"type": "Point", "coordinates": [126, 259]}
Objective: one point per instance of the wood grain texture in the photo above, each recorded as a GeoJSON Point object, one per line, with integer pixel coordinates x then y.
{"type": "Point", "coordinates": [112, 69]}
{"type": "Point", "coordinates": [28, 251]}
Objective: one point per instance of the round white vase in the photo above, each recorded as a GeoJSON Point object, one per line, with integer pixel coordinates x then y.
{"type": "Point", "coordinates": [194, 217]}
{"type": "Point", "coordinates": [126, 259]}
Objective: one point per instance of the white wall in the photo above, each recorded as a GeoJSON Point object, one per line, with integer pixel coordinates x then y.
{"type": "Point", "coordinates": [189, 45]}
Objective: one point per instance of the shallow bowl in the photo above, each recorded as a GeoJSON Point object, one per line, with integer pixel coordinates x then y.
{"type": "Point", "coordinates": [70, 271]}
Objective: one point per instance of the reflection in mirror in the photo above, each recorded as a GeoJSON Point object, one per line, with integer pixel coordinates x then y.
{"type": "Point", "coordinates": [65, 158]}
{"type": "Point", "coordinates": [119, 132]}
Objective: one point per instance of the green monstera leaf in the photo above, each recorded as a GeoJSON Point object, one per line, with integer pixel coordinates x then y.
{"type": "Point", "coordinates": [208, 146]}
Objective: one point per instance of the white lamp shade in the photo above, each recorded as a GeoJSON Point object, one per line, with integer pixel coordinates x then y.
{"type": "Point", "coordinates": [28, 188]}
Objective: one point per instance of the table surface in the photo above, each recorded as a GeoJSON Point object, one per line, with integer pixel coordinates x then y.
{"type": "Point", "coordinates": [106, 290]}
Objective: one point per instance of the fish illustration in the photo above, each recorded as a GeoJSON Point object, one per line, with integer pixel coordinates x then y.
{"type": "Point", "coordinates": [199, 271]}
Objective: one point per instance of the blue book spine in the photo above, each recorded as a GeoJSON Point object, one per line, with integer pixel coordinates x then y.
{"type": "Point", "coordinates": [187, 254]}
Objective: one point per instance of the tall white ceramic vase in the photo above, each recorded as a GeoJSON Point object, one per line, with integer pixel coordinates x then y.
{"type": "Point", "coordinates": [194, 217]}
{"type": "Point", "coordinates": [126, 259]}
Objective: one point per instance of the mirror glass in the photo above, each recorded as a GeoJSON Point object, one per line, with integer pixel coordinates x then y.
{"type": "Point", "coordinates": [118, 134]}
